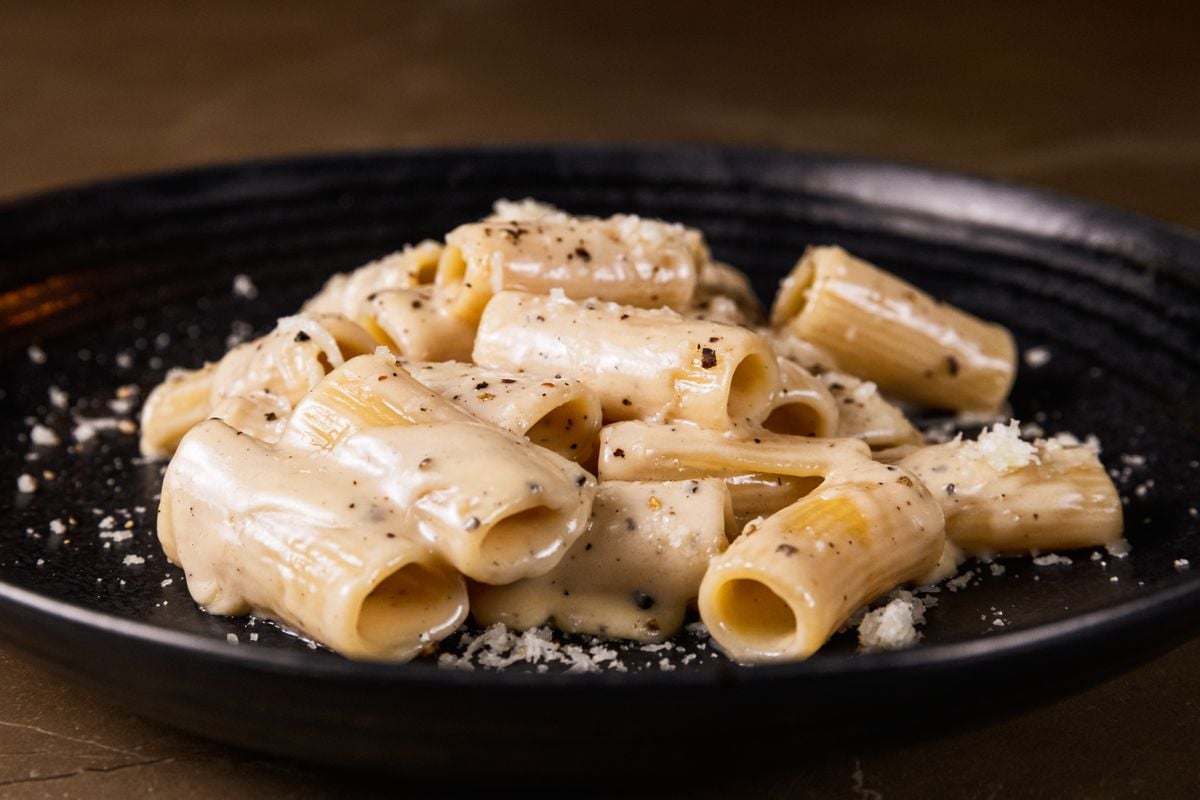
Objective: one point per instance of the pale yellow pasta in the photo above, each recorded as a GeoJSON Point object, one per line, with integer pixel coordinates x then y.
{"type": "Point", "coordinates": [724, 294]}
{"type": "Point", "coordinates": [643, 364]}
{"type": "Point", "coordinates": [788, 345]}
{"type": "Point", "coordinates": [803, 406]}
{"type": "Point", "coordinates": [259, 414]}
{"type": "Point", "coordinates": [635, 571]}
{"type": "Point", "coordinates": [421, 441]}
{"type": "Point", "coordinates": [886, 331]}
{"type": "Point", "coordinates": [787, 583]}
{"type": "Point", "coordinates": [1002, 495]}
{"type": "Point", "coordinates": [765, 471]}
{"type": "Point", "coordinates": [559, 414]}
{"type": "Point", "coordinates": [181, 401]}
{"type": "Point", "coordinates": [863, 413]}
{"type": "Point", "coordinates": [487, 502]}
{"type": "Point", "coordinates": [287, 362]}
{"type": "Point", "coordinates": [624, 259]}
{"type": "Point", "coordinates": [304, 546]}
{"type": "Point", "coordinates": [345, 293]}
{"type": "Point", "coordinates": [416, 324]}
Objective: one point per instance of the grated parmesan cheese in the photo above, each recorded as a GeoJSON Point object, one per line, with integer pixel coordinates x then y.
{"type": "Point", "coordinates": [42, 436]}
{"type": "Point", "coordinates": [1037, 357]}
{"type": "Point", "coordinates": [1052, 559]}
{"type": "Point", "coordinates": [27, 484]}
{"type": "Point", "coordinates": [893, 626]}
{"type": "Point", "coordinates": [1002, 448]}
{"type": "Point", "coordinates": [244, 287]}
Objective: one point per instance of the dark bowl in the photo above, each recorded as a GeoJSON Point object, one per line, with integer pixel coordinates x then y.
{"type": "Point", "coordinates": [117, 282]}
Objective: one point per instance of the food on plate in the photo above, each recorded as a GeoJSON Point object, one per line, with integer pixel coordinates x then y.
{"type": "Point", "coordinates": [583, 422]}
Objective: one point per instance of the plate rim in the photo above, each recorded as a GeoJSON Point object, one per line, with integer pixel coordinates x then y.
{"type": "Point", "coordinates": [1143, 239]}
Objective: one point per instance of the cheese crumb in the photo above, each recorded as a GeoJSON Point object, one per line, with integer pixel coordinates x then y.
{"type": "Point", "coordinates": [1119, 549]}
{"type": "Point", "coordinates": [890, 627]}
{"type": "Point", "coordinates": [1052, 559]}
{"type": "Point", "coordinates": [36, 354]}
{"type": "Point", "coordinates": [27, 484]}
{"type": "Point", "coordinates": [1037, 357]}
{"type": "Point", "coordinates": [244, 287]}
{"type": "Point", "coordinates": [132, 560]}
{"type": "Point", "coordinates": [1181, 564]}
{"type": "Point", "coordinates": [58, 398]}
{"type": "Point", "coordinates": [57, 527]}
{"type": "Point", "coordinates": [1002, 448]}
{"type": "Point", "coordinates": [231, 638]}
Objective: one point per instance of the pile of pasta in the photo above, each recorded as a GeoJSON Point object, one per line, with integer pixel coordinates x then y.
{"type": "Point", "coordinates": [590, 423]}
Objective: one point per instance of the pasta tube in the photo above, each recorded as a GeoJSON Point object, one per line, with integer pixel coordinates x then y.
{"type": "Point", "coordinates": [287, 362]}
{"type": "Point", "coordinates": [724, 294]}
{"type": "Point", "coordinates": [1004, 495]}
{"type": "Point", "coordinates": [643, 364]}
{"type": "Point", "coordinates": [787, 583]}
{"type": "Point", "coordinates": [345, 293]}
{"type": "Point", "coordinates": [556, 413]}
{"type": "Point", "coordinates": [864, 414]}
{"type": "Point", "coordinates": [305, 546]}
{"type": "Point", "coordinates": [492, 506]}
{"type": "Point", "coordinates": [764, 473]}
{"type": "Point", "coordinates": [803, 406]}
{"type": "Point", "coordinates": [624, 259]}
{"type": "Point", "coordinates": [887, 331]}
{"type": "Point", "coordinates": [416, 324]}
{"type": "Point", "coordinates": [633, 573]}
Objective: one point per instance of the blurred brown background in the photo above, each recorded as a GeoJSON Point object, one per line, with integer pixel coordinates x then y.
{"type": "Point", "coordinates": [1100, 100]}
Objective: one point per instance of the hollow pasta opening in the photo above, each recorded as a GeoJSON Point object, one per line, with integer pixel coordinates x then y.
{"type": "Point", "coordinates": [754, 613]}
{"type": "Point", "coordinates": [521, 536]}
{"type": "Point", "coordinates": [793, 293]}
{"type": "Point", "coordinates": [564, 426]}
{"type": "Point", "coordinates": [749, 388]}
{"type": "Point", "coordinates": [407, 603]}
{"type": "Point", "coordinates": [795, 419]}
{"type": "Point", "coordinates": [451, 268]}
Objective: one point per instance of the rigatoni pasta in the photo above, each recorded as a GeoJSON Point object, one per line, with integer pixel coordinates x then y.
{"type": "Point", "coordinates": [624, 259]}
{"type": "Point", "coordinates": [551, 419]}
{"type": "Point", "coordinates": [643, 364]}
{"type": "Point", "coordinates": [1001, 494]}
{"type": "Point", "coordinates": [635, 571]}
{"type": "Point", "coordinates": [887, 331]}
{"type": "Point", "coordinates": [787, 583]}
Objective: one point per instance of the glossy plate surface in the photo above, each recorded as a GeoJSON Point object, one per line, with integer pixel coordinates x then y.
{"type": "Point", "coordinates": [115, 283]}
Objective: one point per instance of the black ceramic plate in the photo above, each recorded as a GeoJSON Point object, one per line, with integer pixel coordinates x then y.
{"type": "Point", "coordinates": [116, 283]}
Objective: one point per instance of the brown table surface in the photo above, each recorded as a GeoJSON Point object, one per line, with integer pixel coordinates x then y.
{"type": "Point", "coordinates": [1086, 98]}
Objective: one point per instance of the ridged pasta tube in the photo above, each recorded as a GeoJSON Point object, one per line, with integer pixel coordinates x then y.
{"type": "Point", "coordinates": [1003, 495]}
{"type": "Point", "coordinates": [415, 323]}
{"type": "Point", "coordinates": [625, 259]}
{"type": "Point", "coordinates": [559, 414]}
{"type": "Point", "coordinates": [803, 406]}
{"type": "Point", "coordinates": [764, 471]}
{"type": "Point", "coordinates": [887, 331]}
{"type": "Point", "coordinates": [633, 573]}
{"type": "Point", "coordinates": [287, 362]}
{"type": "Point", "coordinates": [492, 506]}
{"type": "Point", "coordinates": [305, 546]}
{"type": "Point", "coordinates": [345, 293]}
{"type": "Point", "coordinates": [643, 364]}
{"type": "Point", "coordinates": [786, 584]}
